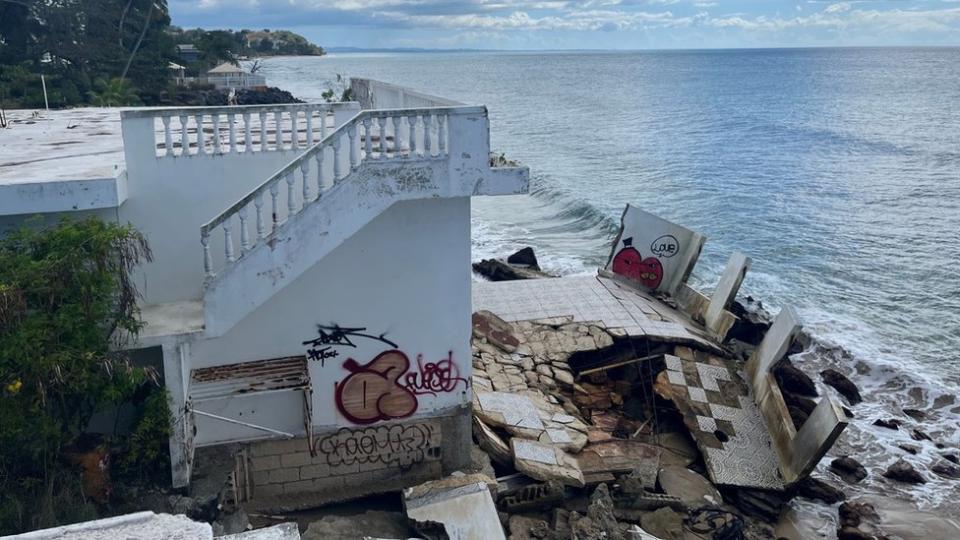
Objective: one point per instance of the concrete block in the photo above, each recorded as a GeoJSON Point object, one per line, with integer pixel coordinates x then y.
{"type": "Point", "coordinates": [295, 460]}
{"type": "Point", "coordinates": [466, 511]}
{"type": "Point", "coordinates": [261, 477]}
{"type": "Point", "coordinates": [774, 346]}
{"type": "Point", "coordinates": [280, 446]}
{"type": "Point", "coordinates": [816, 436]}
{"type": "Point", "coordinates": [283, 476]}
{"type": "Point", "coordinates": [726, 289]}
{"type": "Point", "coordinates": [264, 463]}
{"type": "Point", "coordinates": [319, 470]}
{"type": "Point", "coordinates": [300, 486]}
{"type": "Point", "coordinates": [268, 490]}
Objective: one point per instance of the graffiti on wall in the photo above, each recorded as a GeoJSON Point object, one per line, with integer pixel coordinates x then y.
{"type": "Point", "coordinates": [652, 252]}
{"type": "Point", "coordinates": [390, 445]}
{"type": "Point", "coordinates": [323, 347]}
{"type": "Point", "coordinates": [386, 388]}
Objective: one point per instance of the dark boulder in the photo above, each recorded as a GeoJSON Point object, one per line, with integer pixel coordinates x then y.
{"type": "Point", "coordinates": [952, 458]}
{"type": "Point", "coordinates": [891, 423]}
{"type": "Point", "coordinates": [849, 469]}
{"type": "Point", "coordinates": [799, 416]}
{"type": "Point", "coordinates": [806, 405]}
{"type": "Point", "coordinates": [916, 414]}
{"type": "Point", "coordinates": [918, 435]}
{"type": "Point", "coordinates": [816, 489]}
{"type": "Point", "coordinates": [946, 469]}
{"type": "Point", "coordinates": [793, 379]}
{"type": "Point", "coordinates": [842, 384]}
{"type": "Point", "coordinates": [525, 257]}
{"type": "Point", "coordinates": [753, 321]}
{"type": "Point", "coordinates": [858, 521]}
{"type": "Point", "coordinates": [909, 448]}
{"type": "Point", "coordinates": [496, 270]}
{"type": "Point", "coordinates": [901, 471]}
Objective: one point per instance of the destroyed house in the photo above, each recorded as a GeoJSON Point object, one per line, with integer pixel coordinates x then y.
{"type": "Point", "coordinates": [309, 299]}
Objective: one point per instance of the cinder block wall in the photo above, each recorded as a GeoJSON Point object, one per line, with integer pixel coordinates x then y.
{"type": "Point", "coordinates": [348, 463]}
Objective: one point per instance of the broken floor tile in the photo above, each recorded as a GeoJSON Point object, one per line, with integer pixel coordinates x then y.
{"type": "Point", "coordinates": [546, 462]}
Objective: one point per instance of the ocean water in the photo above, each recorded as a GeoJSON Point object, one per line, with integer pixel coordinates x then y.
{"type": "Point", "coordinates": [836, 170]}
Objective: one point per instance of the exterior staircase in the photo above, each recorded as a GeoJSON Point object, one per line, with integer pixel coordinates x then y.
{"type": "Point", "coordinates": [287, 224]}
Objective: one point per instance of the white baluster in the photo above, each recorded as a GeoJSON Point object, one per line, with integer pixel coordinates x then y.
{"type": "Point", "coordinates": [291, 203]}
{"type": "Point", "coordinates": [412, 122]}
{"type": "Point", "coordinates": [216, 133]}
{"type": "Point", "coordinates": [207, 259]}
{"type": "Point", "coordinates": [382, 122]}
{"type": "Point", "coordinates": [396, 136]}
{"type": "Point", "coordinates": [261, 226]}
{"type": "Point", "coordinates": [244, 235]}
{"type": "Point", "coordinates": [274, 191]}
{"type": "Point", "coordinates": [337, 165]}
{"type": "Point", "coordinates": [368, 137]}
{"type": "Point", "coordinates": [232, 121]}
{"type": "Point", "coordinates": [167, 136]}
{"type": "Point", "coordinates": [323, 124]}
{"type": "Point", "coordinates": [184, 136]}
{"type": "Point", "coordinates": [263, 131]}
{"type": "Point", "coordinates": [442, 133]}
{"type": "Point", "coordinates": [427, 124]}
{"type": "Point", "coordinates": [320, 183]}
{"type": "Point", "coordinates": [352, 137]}
{"type": "Point", "coordinates": [295, 129]}
{"type": "Point", "coordinates": [201, 139]}
{"type": "Point", "coordinates": [228, 241]}
{"type": "Point", "coordinates": [247, 139]}
{"type": "Point", "coordinates": [305, 174]}
{"type": "Point", "coordinates": [278, 120]}
{"type": "Point", "coordinates": [309, 113]}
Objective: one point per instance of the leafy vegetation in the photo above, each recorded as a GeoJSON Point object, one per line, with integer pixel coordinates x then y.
{"type": "Point", "coordinates": [212, 43]}
{"type": "Point", "coordinates": [67, 307]}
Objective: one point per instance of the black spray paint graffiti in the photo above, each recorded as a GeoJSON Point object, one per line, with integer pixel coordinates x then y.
{"type": "Point", "coordinates": [666, 246]}
{"type": "Point", "coordinates": [434, 377]}
{"type": "Point", "coordinates": [390, 445]}
{"type": "Point", "coordinates": [322, 348]}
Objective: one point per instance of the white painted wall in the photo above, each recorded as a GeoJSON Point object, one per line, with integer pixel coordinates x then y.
{"type": "Point", "coordinates": [406, 274]}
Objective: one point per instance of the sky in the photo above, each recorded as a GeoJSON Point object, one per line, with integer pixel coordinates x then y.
{"type": "Point", "coordinates": [588, 24]}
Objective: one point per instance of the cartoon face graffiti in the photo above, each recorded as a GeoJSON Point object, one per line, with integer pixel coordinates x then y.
{"type": "Point", "coordinates": [629, 263]}
{"type": "Point", "coordinates": [371, 392]}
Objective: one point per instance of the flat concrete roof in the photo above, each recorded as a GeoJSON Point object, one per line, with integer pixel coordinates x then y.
{"type": "Point", "coordinates": [52, 161]}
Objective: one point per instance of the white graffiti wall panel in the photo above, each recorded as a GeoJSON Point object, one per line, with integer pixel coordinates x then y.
{"type": "Point", "coordinates": [652, 252]}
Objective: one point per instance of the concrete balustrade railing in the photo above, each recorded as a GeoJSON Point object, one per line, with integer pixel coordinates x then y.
{"type": "Point", "coordinates": [379, 136]}
{"type": "Point", "coordinates": [199, 131]}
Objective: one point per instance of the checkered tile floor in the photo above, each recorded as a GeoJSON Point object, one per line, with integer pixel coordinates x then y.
{"type": "Point", "coordinates": [724, 421]}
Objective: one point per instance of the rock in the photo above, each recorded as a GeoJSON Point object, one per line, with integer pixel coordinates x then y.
{"type": "Point", "coordinates": [911, 449]}
{"type": "Point", "coordinates": [798, 417]}
{"type": "Point", "coordinates": [235, 522]}
{"type": "Point", "coordinates": [805, 404]}
{"type": "Point", "coordinates": [690, 487]}
{"type": "Point", "coordinates": [563, 377]}
{"type": "Point", "coordinates": [892, 423]}
{"type": "Point", "coordinates": [600, 512]}
{"type": "Point", "coordinates": [373, 523]}
{"type": "Point", "coordinates": [916, 414]}
{"type": "Point", "coordinates": [496, 270]}
{"type": "Point", "coordinates": [918, 435]}
{"type": "Point", "coordinates": [793, 379]}
{"type": "Point", "coordinates": [815, 489]}
{"type": "Point", "coordinates": [526, 528]}
{"type": "Point", "coordinates": [849, 469]}
{"type": "Point", "coordinates": [952, 458]}
{"type": "Point", "coordinates": [525, 257]}
{"type": "Point", "coordinates": [663, 523]}
{"type": "Point", "coordinates": [946, 469]}
{"type": "Point", "coordinates": [752, 322]}
{"type": "Point", "coordinates": [901, 471]}
{"type": "Point", "coordinates": [761, 504]}
{"type": "Point", "coordinates": [842, 384]}
{"type": "Point", "coordinates": [858, 521]}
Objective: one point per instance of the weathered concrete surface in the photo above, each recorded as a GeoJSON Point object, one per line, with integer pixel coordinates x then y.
{"type": "Point", "coordinates": [717, 319]}
{"type": "Point", "coordinates": [461, 504]}
{"type": "Point", "coordinates": [141, 525]}
{"type": "Point", "coordinates": [546, 462]}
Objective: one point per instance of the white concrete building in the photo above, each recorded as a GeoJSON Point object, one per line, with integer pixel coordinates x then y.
{"type": "Point", "coordinates": [310, 289]}
{"type": "Point", "coordinates": [227, 76]}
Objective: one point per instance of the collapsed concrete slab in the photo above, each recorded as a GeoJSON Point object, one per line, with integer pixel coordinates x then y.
{"type": "Point", "coordinates": [462, 505]}
{"type": "Point", "coordinates": [546, 462]}
{"type": "Point", "coordinates": [151, 526]}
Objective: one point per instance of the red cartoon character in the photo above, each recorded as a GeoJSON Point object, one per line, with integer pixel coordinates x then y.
{"type": "Point", "coordinates": [631, 264]}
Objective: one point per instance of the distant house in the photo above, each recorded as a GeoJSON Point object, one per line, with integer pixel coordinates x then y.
{"type": "Point", "coordinates": [230, 76]}
{"type": "Point", "coordinates": [179, 73]}
{"type": "Point", "coordinates": [188, 52]}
